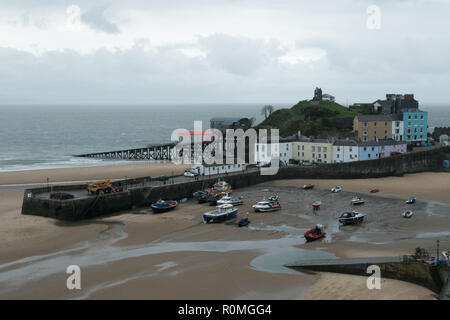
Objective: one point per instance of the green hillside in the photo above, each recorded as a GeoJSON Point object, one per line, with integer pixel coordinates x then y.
{"type": "Point", "coordinates": [312, 119]}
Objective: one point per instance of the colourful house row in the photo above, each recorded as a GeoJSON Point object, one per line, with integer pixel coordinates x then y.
{"type": "Point", "coordinates": [327, 151]}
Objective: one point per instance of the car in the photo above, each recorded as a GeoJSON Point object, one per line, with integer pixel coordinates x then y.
{"type": "Point", "coordinates": [307, 164]}
{"type": "Point", "coordinates": [190, 174]}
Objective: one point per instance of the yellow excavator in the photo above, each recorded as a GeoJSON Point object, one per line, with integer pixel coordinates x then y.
{"type": "Point", "coordinates": [100, 187]}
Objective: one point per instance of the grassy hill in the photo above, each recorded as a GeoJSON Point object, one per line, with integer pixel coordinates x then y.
{"type": "Point", "coordinates": [312, 119]}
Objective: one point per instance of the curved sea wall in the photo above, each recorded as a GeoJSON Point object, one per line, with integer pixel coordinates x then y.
{"type": "Point", "coordinates": [138, 193]}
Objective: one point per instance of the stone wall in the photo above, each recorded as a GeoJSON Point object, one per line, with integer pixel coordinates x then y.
{"type": "Point", "coordinates": [134, 193]}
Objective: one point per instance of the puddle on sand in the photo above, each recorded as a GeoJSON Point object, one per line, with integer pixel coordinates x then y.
{"type": "Point", "coordinates": [432, 234]}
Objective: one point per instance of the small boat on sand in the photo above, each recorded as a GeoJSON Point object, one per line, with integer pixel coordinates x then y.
{"type": "Point", "coordinates": [243, 222]}
{"type": "Point", "coordinates": [222, 213]}
{"type": "Point", "coordinates": [315, 233]}
{"type": "Point", "coordinates": [375, 190]}
{"type": "Point", "coordinates": [308, 186]}
{"type": "Point", "coordinates": [351, 217]}
{"type": "Point", "coordinates": [357, 200]}
{"type": "Point", "coordinates": [316, 204]}
{"type": "Point", "coordinates": [229, 200]}
{"type": "Point", "coordinates": [411, 200]}
{"type": "Point", "coordinates": [201, 196]}
{"type": "Point", "coordinates": [336, 189]}
{"type": "Point", "coordinates": [221, 187]}
{"type": "Point", "coordinates": [407, 214]}
{"type": "Point", "coordinates": [268, 205]}
{"type": "Point", "coordinates": [163, 206]}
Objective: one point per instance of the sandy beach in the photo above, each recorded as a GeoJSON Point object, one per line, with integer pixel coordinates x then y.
{"type": "Point", "coordinates": [129, 254]}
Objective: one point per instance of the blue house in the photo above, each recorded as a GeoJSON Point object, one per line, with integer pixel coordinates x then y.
{"type": "Point", "coordinates": [415, 126]}
{"type": "Point", "coordinates": [368, 150]}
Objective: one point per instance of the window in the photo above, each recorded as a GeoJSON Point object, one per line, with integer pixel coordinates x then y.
{"type": "Point", "coordinates": [365, 149]}
{"type": "Point", "coordinates": [325, 155]}
{"type": "Point", "coordinates": [409, 117]}
{"type": "Point", "coordinates": [313, 148]}
{"type": "Point", "coordinates": [338, 149]}
{"type": "Point", "coordinates": [397, 123]}
{"type": "Point", "coordinates": [365, 132]}
{"type": "Point", "coordinates": [365, 124]}
{"type": "Point", "coordinates": [337, 156]}
{"type": "Point", "coordinates": [319, 149]}
{"type": "Point", "coordinates": [373, 149]}
{"type": "Point", "coordinates": [374, 124]}
{"type": "Point", "coordinates": [303, 154]}
{"type": "Point", "coordinates": [385, 124]}
{"type": "Point", "coordinates": [350, 149]}
{"type": "Point", "coordinates": [319, 155]}
{"type": "Point", "coordinates": [298, 153]}
{"type": "Point", "coordinates": [303, 147]}
{"type": "Point", "coordinates": [313, 155]}
{"type": "Point", "coordinates": [421, 117]}
{"type": "Point", "coordinates": [324, 149]}
{"type": "Point", "coordinates": [368, 155]}
{"type": "Point", "coordinates": [415, 117]}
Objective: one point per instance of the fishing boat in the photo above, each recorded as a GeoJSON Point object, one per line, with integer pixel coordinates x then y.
{"type": "Point", "coordinates": [315, 233]}
{"type": "Point", "coordinates": [212, 199]}
{"type": "Point", "coordinates": [267, 205]}
{"type": "Point", "coordinates": [221, 187]}
{"type": "Point", "coordinates": [163, 206]}
{"type": "Point", "coordinates": [375, 190]}
{"type": "Point", "coordinates": [316, 204]}
{"type": "Point", "coordinates": [357, 200]}
{"type": "Point", "coordinates": [243, 222]}
{"type": "Point", "coordinates": [336, 189]}
{"type": "Point", "coordinates": [351, 217]}
{"type": "Point", "coordinates": [308, 186]}
{"type": "Point", "coordinates": [407, 214]}
{"type": "Point", "coordinates": [222, 213]}
{"type": "Point", "coordinates": [411, 200]}
{"type": "Point", "coordinates": [201, 196]}
{"type": "Point", "coordinates": [229, 200]}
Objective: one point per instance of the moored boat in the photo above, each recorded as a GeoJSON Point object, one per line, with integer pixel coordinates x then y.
{"type": "Point", "coordinates": [221, 187]}
{"type": "Point", "coordinates": [357, 200]}
{"type": "Point", "coordinates": [316, 204]}
{"type": "Point", "coordinates": [411, 200]}
{"type": "Point", "coordinates": [375, 190]}
{"type": "Point", "coordinates": [163, 206]}
{"type": "Point", "coordinates": [267, 205]}
{"type": "Point", "coordinates": [308, 186]}
{"type": "Point", "coordinates": [316, 233]}
{"type": "Point", "coordinates": [222, 213]}
{"type": "Point", "coordinates": [336, 189]}
{"type": "Point", "coordinates": [229, 200]}
{"type": "Point", "coordinates": [201, 196]}
{"type": "Point", "coordinates": [407, 214]}
{"type": "Point", "coordinates": [351, 217]}
{"type": "Point", "coordinates": [243, 222]}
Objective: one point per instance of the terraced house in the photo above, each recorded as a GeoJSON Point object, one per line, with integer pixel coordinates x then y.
{"type": "Point", "coordinates": [313, 150]}
{"type": "Point", "coordinates": [373, 127]}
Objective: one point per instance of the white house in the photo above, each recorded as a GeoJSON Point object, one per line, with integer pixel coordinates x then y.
{"type": "Point", "coordinates": [397, 129]}
{"type": "Point", "coordinates": [265, 152]}
{"type": "Point", "coordinates": [345, 151]}
{"type": "Point", "coordinates": [210, 169]}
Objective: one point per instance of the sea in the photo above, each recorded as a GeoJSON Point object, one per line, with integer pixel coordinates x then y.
{"type": "Point", "coordinates": [47, 136]}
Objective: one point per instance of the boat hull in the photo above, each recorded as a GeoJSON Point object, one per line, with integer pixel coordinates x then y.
{"type": "Point", "coordinates": [261, 209]}
{"type": "Point", "coordinates": [216, 218]}
{"type": "Point", "coordinates": [309, 236]}
{"type": "Point", "coordinates": [157, 209]}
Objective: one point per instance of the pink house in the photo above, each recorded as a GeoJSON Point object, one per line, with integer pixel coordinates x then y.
{"type": "Point", "coordinates": [389, 148]}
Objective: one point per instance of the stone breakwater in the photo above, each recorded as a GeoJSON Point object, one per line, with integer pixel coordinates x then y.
{"type": "Point", "coordinates": [140, 193]}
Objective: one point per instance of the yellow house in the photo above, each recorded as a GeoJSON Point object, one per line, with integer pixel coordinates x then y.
{"type": "Point", "coordinates": [373, 127]}
{"type": "Point", "coordinates": [313, 150]}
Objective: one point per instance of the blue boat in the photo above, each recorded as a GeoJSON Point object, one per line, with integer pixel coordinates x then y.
{"type": "Point", "coordinates": [163, 206]}
{"type": "Point", "coordinates": [201, 196]}
{"type": "Point", "coordinates": [243, 222]}
{"type": "Point", "coordinates": [222, 213]}
{"type": "Point", "coordinates": [411, 200]}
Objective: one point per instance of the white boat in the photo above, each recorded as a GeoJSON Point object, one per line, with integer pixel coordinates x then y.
{"type": "Point", "coordinates": [267, 205]}
{"type": "Point", "coordinates": [229, 200]}
{"type": "Point", "coordinates": [357, 200]}
{"type": "Point", "coordinates": [407, 214]}
{"type": "Point", "coordinates": [222, 213]}
{"type": "Point", "coordinates": [336, 189]}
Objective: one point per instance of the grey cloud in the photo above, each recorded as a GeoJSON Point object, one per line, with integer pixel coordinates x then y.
{"type": "Point", "coordinates": [95, 18]}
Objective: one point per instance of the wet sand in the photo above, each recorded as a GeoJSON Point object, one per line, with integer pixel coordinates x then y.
{"type": "Point", "coordinates": [131, 254]}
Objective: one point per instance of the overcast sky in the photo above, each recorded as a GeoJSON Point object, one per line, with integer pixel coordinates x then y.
{"type": "Point", "coordinates": [204, 51]}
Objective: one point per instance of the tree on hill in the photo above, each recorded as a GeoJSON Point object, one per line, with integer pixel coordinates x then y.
{"type": "Point", "coordinates": [267, 110]}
